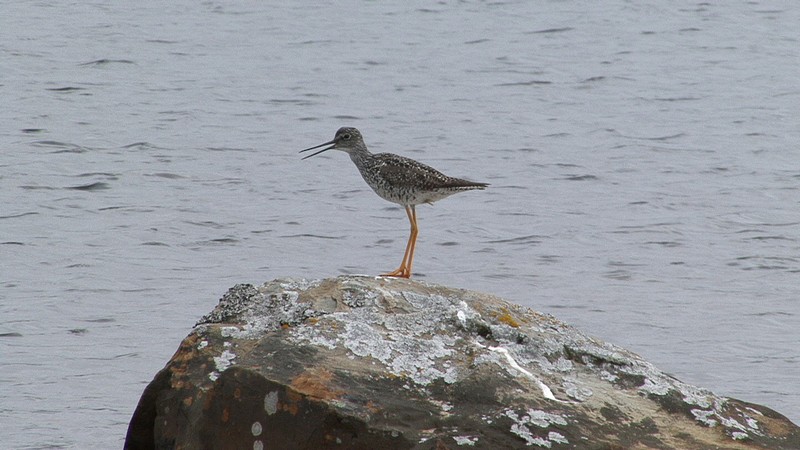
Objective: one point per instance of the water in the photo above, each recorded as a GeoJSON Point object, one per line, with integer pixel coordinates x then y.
{"type": "Point", "coordinates": [643, 162]}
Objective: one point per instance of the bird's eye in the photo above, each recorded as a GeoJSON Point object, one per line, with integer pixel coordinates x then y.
{"type": "Point", "coordinates": [346, 137]}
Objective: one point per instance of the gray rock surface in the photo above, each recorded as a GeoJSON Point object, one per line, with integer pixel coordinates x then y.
{"type": "Point", "coordinates": [381, 363]}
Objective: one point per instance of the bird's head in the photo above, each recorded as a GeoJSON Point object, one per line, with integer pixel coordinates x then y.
{"type": "Point", "coordinates": [347, 139]}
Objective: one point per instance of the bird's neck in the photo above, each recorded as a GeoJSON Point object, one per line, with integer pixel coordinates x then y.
{"type": "Point", "coordinates": [360, 154]}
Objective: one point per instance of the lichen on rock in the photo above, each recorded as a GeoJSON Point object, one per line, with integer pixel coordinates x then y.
{"type": "Point", "coordinates": [371, 362]}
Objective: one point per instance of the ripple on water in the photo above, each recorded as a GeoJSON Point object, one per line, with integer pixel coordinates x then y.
{"type": "Point", "coordinates": [14, 216]}
{"type": "Point", "coordinates": [758, 262]}
{"type": "Point", "coordinates": [60, 147]}
{"type": "Point", "coordinates": [30, 187]}
{"type": "Point", "coordinates": [106, 61]}
{"type": "Point", "coordinates": [580, 177]}
{"type": "Point", "coordinates": [10, 334]}
{"type": "Point", "coordinates": [308, 235]}
{"type": "Point", "coordinates": [211, 242]}
{"type": "Point", "coordinates": [96, 186]}
{"type": "Point", "coordinates": [167, 175]}
{"type": "Point", "coordinates": [519, 240]}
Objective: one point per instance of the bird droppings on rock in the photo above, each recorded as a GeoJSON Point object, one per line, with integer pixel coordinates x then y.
{"type": "Point", "coordinates": [369, 362]}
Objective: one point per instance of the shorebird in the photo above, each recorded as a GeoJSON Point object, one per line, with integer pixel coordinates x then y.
{"type": "Point", "coordinates": [399, 180]}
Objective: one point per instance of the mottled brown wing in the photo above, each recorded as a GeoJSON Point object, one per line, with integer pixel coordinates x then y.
{"type": "Point", "coordinates": [401, 171]}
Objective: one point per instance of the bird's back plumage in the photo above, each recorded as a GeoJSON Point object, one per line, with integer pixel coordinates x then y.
{"type": "Point", "coordinates": [408, 182]}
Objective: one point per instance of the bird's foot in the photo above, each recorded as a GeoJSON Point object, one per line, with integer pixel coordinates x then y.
{"type": "Point", "coordinates": [401, 272]}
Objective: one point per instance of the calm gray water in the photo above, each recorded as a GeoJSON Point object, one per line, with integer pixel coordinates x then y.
{"type": "Point", "coordinates": [643, 158]}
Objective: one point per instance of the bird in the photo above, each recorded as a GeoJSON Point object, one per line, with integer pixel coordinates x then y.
{"type": "Point", "coordinates": [397, 179]}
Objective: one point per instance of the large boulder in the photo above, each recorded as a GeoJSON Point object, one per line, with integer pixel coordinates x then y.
{"type": "Point", "coordinates": [382, 363]}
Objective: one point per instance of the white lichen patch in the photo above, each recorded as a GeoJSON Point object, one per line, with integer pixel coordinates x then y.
{"type": "Point", "coordinates": [540, 419]}
{"type": "Point", "coordinates": [228, 332]}
{"type": "Point", "coordinates": [489, 358]}
{"type": "Point", "coordinates": [271, 403]}
{"type": "Point", "coordinates": [544, 419]}
{"type": "Point", "coordinates": [729, 422]}
{"type": "Point", "coordinates": [296, 284]}
{"type": "Point", "coordinates": [695, 396]}
{"type": "Point", "coordinates": [557, 438]}
{"type": "Point", "coordinates": [608, 376]}
{"type": "Point", "coordinates": [752, 423]}
{"type": "Point", "coordinates": [653, 387]}
{"type": "Point", "coordinates": [736, 429]}
{"type": "Point", "coordinates": [704, 417]}
{"type": "Point", "coordinates": [410, 350]}
{"type": "Point", "coordinates": [444, 406]}
{"type": "Point", "coordinates": [466, 440]}
{"type": "Point", "coordinates": [425, 302]}
{"type": "Point", "coordinates": [739, 436]}
{"type": "Point", "coordinates": [712, 410]}
{"type": "Point", "coordinates": [718, 413]}
{"type": "Point", "coordinates": [528, 437]}
{"type": "Point", "coordinates": [314, 335]}
{"type": "Point", "coordinates": [202, 344]}
{"type": "Point", "coordinates": [254, 329]}
{"type": "Point", "coordinates": [224, 360]}
{"type": "Point", "coordinates": [755, 411]}
{"type": "Point", "coordinates": [222, 363]}
{"type": "Point", "coordinates": [422, 360]}
{"type": "Point", "coordinates": [575, 390]}
{"type": "Point", "coordinates": [363, 340]}
{"type": "Point", "coordinates": [563, 365]}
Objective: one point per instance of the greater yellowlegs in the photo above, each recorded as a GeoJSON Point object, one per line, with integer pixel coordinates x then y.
{"type": "Point", "coordinates": [399, 180]}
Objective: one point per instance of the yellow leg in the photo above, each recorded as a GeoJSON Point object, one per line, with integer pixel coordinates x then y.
{"type": "Point", "coordinates": [404, 271]}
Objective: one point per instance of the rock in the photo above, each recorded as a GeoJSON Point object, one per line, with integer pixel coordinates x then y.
{"type": "Point", "coordinates": [381, 363]}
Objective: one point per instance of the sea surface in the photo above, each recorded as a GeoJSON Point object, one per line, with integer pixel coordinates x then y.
{"type": "Point", "coordinates": [644, 161]}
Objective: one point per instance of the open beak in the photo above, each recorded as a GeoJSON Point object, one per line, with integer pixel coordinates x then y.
{"type": "Point", "coordinates": [318, 146]}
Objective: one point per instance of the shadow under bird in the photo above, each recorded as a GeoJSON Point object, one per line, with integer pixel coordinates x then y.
{"type": "Point", "coordinates": [399, 180]}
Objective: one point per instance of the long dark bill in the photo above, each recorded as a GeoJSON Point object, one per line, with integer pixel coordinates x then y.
{"type": "Point", "coordinates": [318, 146]}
